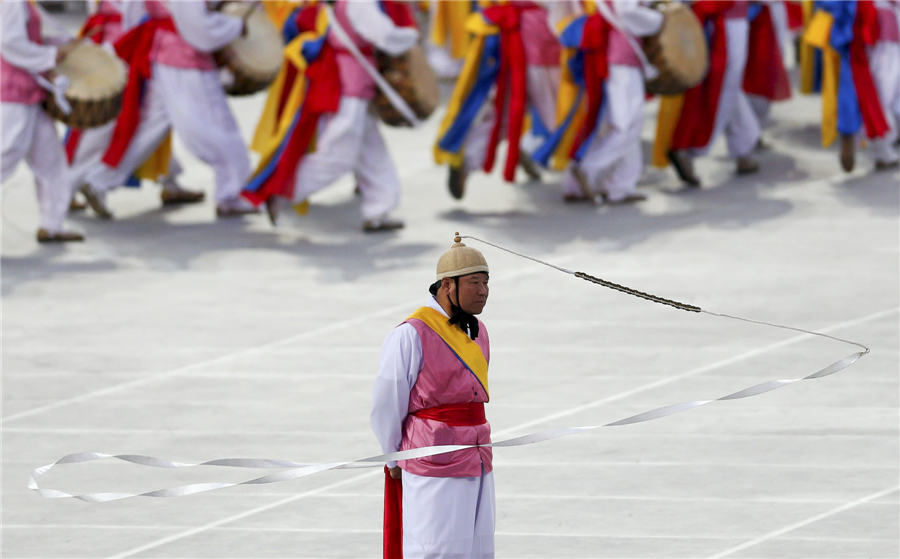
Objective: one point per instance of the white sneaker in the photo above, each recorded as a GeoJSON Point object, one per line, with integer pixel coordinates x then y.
{"type": "Point", "coordinates": [234, 207]}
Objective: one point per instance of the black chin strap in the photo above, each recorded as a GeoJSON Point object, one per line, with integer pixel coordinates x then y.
{"type": "Point", "coordinates": [466, 322]}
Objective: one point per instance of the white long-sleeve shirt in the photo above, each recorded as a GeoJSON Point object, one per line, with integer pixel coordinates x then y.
{"type": "Point", "coordinates": [398, 370]}
{"type": "Point", "coordinates": [204, 29]}
{"type": "Point", "coordinates": [15, 45]}
{"type": "Point", "coordinates": [376, 27]}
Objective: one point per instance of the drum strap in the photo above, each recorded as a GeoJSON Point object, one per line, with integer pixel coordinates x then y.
{"type": "Point", "coordinates": [389, 92]}
{"type": "Point", "coordinates": [650, 71]}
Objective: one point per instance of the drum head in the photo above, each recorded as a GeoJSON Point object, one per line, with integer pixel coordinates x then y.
{"type": "Point", "coordinates": [258, 54]}
{"type": "Point", "coordinates": [93, 72]}
{"type": "Point", "coordinates": [684, 44]}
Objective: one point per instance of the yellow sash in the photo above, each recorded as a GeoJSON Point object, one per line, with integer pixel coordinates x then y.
{"type": "Point", "coordinates": [818, 34]}
{"type": "Point", "coordinates": [464, 347]}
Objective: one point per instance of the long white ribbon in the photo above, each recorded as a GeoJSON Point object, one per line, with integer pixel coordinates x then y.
{"type": "Point", "coordinates": [296, 470]}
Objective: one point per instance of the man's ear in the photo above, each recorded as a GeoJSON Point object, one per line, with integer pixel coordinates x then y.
{"type": "Point", "coordinates": [446, 283]}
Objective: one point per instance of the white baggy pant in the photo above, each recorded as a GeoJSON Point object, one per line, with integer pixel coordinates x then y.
{"type": "Point", "coordinates": [734, 115]}
{"type": "Point", "coordinates": [613, 160]}
{"type": "Point", "coordinates": [885, 64]}
{"type": "Point", "coordinates": [542, 84]}
{"type": "Point", "coordinates": [30, 134]}
{"type": "Point", "coordinates": [193, 103]}
{"type": "Point", "coordinates": [448, 517]}
{"type": "Point", "coordinates": [349, 142]}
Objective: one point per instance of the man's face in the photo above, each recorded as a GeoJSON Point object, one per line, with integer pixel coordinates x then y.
{"type": "Point", "coordinates": [473, 292]}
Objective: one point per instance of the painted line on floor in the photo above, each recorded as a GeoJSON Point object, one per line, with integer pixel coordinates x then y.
{"type": "Point", "coordinates": [781, 531]}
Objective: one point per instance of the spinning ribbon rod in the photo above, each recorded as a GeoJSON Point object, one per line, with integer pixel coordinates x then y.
{"type": "Point", "coordinates": [294, 470]}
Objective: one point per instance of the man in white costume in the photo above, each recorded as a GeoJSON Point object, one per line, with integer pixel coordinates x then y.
{"type": "Point", "coordinates": [28, 132]}
{"type": "Point", "coordinates": [431, 389]}
{"type": "Point", "coordinates": [733, 114]}
{"type": "Point", "coordinates": [611, 167]}
{"type": "Point", "coordinates": [349, 141]}
{"type": "Point", "coordinates": [91, 143]}
{"type": "Point", "coordinates": [184, 94]}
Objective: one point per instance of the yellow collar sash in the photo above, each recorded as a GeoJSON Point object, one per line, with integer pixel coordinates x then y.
{"type": "Point", "coordinates": [466, 350]}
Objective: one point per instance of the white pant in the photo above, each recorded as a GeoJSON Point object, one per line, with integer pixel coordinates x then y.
{"type": "Point", "coordinates": [448, 517]}
{"type": "Point", "coordinates": [193, 103]}
{"type": "Point", "coordinates": [30, 134]}
{"type": "Point", "coordinates": [613, 159]}
{"type": "Point", "coordinates": [884, 60]}
{"type": "Point", "coordinates": [542, 83]}
{"type": "Point", "coordinates": [734, 115]}
{"type": "Point", "coordinates": [349, 141]}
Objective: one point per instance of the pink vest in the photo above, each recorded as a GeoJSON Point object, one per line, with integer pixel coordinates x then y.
{"type": "Point", "coordinates": [170, 49]}
{"type": "Point", "coordinates": [618, 51]}
{"type": "Point", "coordinates": [541, 45]}
{"type": "Point", "coordinates": [444, 380]}
{"type": "Point", "coordinates": [16, 84]}
{"type": "Point", "coordinates": [887, 25]}
{"type": "Point", "coordinates": [355, 81]}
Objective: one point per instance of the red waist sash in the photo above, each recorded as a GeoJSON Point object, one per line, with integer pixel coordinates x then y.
{"type": "Point", "coordinates": [455, 415]}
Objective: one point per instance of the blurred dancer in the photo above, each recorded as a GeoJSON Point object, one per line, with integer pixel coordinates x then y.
{"type": "Point", "coordinates": [28, 132]}
{"type": "Point", "coordinates": [765, 77]}
{"type": "Point", "coordinates": [514, 58]}
{"type": "Point", "coordinates": [885, 61]}
{"type": "Point", "coordinates": [104, 26]}
{"type": "Point", "coordinates": [857, 64]}
{"type": "Point", "coordinates": [173, 85]}
{"type": "Point", "coordinates": [717, 104]}
{"type": "Point", "coordinates": [324, 92]}
{"type": "Point", "coordinates": [431, 389]}
{"type": "Point", "coordinates": [601, 103]}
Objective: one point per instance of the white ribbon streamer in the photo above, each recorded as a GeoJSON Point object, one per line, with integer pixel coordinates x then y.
{"type": "Point", "coordinates": [298, 470]}
{"type": "Point", "coordinates": [295, 470]}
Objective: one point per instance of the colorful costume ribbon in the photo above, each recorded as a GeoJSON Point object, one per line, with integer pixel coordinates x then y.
{"type": "Point", "coordinates": [449, 26]}
{"type": "Point", "coordinates": [307, 87]}
{"type": "Point", "coordinates": [495, 58]}
{"type": "Point", "coordinates": [695, 125]}
{"type": "Point", "coordinates": [843, 30]}
{"type": "Point", "coordinates": [134, 47]}
{"type": "Point", "coordinates": [764, 73]}
{"type": "Point", "coordinates": [584, 70]}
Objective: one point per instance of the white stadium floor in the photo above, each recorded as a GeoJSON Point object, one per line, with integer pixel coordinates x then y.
{"type": "Point", "coordinates": [175, 335]}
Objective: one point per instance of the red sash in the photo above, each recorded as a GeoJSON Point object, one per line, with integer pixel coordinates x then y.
{"type": "Point", "coordinates": [511, 76]}
{"type": "Point", "coordinates": [456, 415]}
{"type": "Point", "coordinates": [134, 48]}
{"type": "Point", "coordinates": [695, 126]}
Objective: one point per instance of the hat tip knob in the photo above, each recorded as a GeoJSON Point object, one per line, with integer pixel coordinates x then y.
{"type": "Point", "coordinates": [457, 238]}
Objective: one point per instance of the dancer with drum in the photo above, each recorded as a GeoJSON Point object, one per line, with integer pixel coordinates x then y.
{"type": "Point", "coordinates": [601, 104]}
{"type": "Point", "coordinates": [431, 389]}
{"type": "Point", "coordinates": [174, 85]}
{"type": "Point", "coordinates": [511, 70]}
{"type": "Point", "coordinates": [336, 110]}
{"type": "Point", "coordinates": [720, 91]}
{"type": "Point", "coordinates": [85, 147]}
{"type": "Point", "coordinates": [28, 131]}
